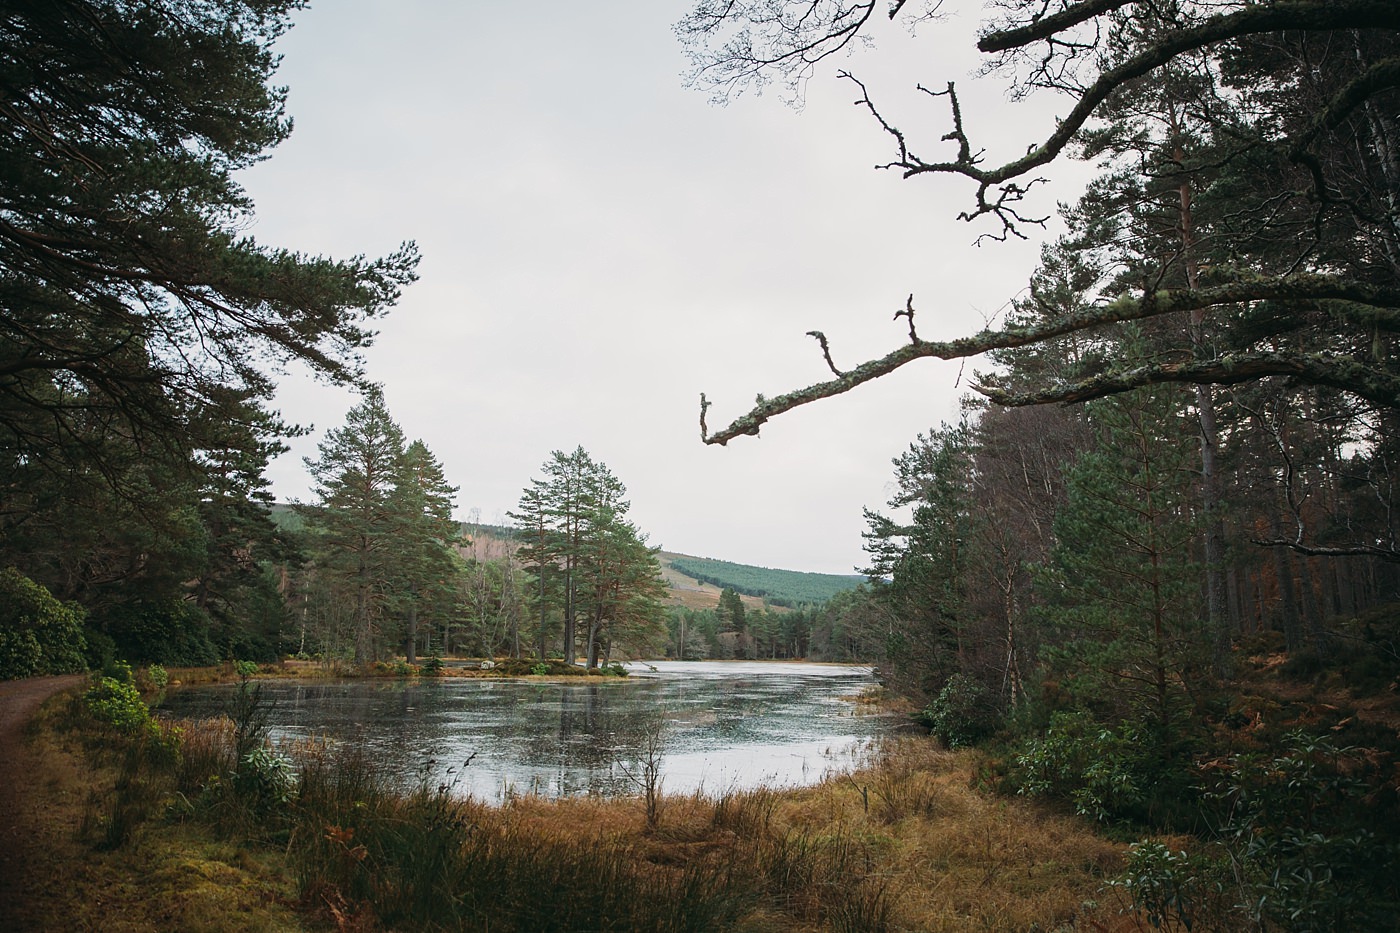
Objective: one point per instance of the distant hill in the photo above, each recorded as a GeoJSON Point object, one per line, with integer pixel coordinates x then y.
{"type": "Point", "coordinates": [286, 517]}
{"type": "Point", "coordinates": [695, 582]}
{"type": "Point", "coordinates": [790, 588]}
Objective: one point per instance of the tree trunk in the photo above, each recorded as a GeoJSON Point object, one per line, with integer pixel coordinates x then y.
{"type": "Point", "coordinates": [1219, 621]}
{"type": "Point", "coordinates": [595, 627]}
{"type": "Point", "coordinates": [363, 647]}
{"type": "Point", "coordinates": [1292, 634]}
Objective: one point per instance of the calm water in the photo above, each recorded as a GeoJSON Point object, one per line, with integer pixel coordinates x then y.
{"type": "Point", "coordinates": [725, 725]}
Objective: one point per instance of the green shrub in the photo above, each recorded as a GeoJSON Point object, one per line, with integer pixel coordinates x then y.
{"type": "Point", "coordinates": [38, 634]}
{"type": "Point", "coordinates": [100, 650]}
{"type": "Point", "coordinates": [120, 671]}
{"type": "Point", "coordinates": [153, 679]}
{"type": "Point", "coordinates": [265, 780]}
{"type": "Point", "coordinates": [1299, 846]}
{"type": "Point", "coordinates": [432, 667]}
{"type": "Point", "coordinates": [1176, 890]}
{"type": "Point", "coordinates": [20, 654]}
{"type": "Point", "coordinates": [1131, 772]}
{"type": "Point", "coordinates": [118, 704]}
{"type": "Point", "coordinates": [540, 669]}
{"type": "Point", "coordinates": [166, 631]}
{"type": "Point", "coordinates": [1303, 826]}
{"type": "Point", "coordinates": [962, 714]}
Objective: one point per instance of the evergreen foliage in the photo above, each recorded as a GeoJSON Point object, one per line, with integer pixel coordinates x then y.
{"type": "Point", "coordinates": [141, 328]}
{"type": "Point", "coordinates": [382, 533]}
{"type": "Point", "coordinates": [168, 631]}
{"type": "Point", "coordinates": [1122, 587]}
{"type": "Point", "coordinates": [132, 299]}
{"type": "Point", "coordinates": [38, 634]}
{"type": "Point", "coordinates": [592, 566]}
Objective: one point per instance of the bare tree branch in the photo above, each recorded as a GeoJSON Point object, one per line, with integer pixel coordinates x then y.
{"type": "Point", "coordinates": [1046, 26]}
{"type": "Point", "coordinates": [1250, 20]}
{"type": "Point", "coordinates": [826, 351]}
{"type": "Point", "coordinates": [1361, 550]}
{"type": "Point", "coordinates": [908, 311]}
{"type": "Point", "coordinates": [1302, 287]}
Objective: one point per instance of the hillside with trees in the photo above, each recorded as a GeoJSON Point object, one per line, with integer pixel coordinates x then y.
{"type": "Point", "coordinates": [790, 588]}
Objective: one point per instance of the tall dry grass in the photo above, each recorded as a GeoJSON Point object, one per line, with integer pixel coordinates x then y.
{"type": "Point", "coordinates": [906, 844]}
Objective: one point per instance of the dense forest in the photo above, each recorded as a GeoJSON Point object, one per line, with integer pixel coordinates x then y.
{"type": "Point", "coordinates": [1152, 567]}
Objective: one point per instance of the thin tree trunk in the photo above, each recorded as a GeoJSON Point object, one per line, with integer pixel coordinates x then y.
{"type": "Point", "coordinates": [363, 649]}
{"type": "Point", "coordinates": [1221, 626]}
{"type": "Point", "coordinates": [1292, 634]}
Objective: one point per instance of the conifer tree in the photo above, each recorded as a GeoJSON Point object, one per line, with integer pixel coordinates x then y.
{"type": "Point", "coordinates": [918, 566]}
{"type": "Point", "coordinates": [1122, 587]}
{"type": "Point", "coordinates": [538, 550]}
{"type": "Point", "coordinates": [591, 563]}
{"type": "Point", "coordinates": [130, 293]}
{"type": "Point", "coordinates": [427, 564]}
{"type": "Point", "coordinates": [356, 518]}
{"type": "Point", "coordinates": [731, 611]}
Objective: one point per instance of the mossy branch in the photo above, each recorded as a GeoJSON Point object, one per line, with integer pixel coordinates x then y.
{"type": "Point", "coordinates": [1344, 373]}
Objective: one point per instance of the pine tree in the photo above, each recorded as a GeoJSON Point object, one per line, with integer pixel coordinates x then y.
{"type": "Point", "coordinates": [918, 567]}
{"type": "Point", "coordinates": [731, 611]}
{"type": "Point", "coordinates": [357, 520]}
{"type": "Point", "coordinates": [590, 562]}
{"type": "Point", "coordinates": [623, 593]}
{"type": "Point", "coordinates": [131, 294]}
{"type": "Point", "coordinates": [538, 550]}
{"type": "Point", "coordinates": [1122, 587]}
{"type": "Point", "coordinates": [427, 567]}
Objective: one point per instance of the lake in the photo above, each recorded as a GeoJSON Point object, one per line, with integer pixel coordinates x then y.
{"type": "Point", "coordinates": [724, 725]}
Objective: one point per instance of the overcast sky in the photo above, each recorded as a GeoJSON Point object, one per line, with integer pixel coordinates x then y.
{"type": "Point", "coordinates": [601, 244]}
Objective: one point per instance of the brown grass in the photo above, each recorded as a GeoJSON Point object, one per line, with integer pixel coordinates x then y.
{"type": "Point", "coordinates": [907, 844]}
{"type": "Point", "coordinates": [910, 833]}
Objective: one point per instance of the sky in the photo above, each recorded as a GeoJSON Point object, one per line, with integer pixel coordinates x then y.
{"type": "Point", "coordinates": [601, 244]}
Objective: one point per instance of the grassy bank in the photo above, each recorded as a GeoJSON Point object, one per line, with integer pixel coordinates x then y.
{"type": "Point", "coordinates": [206, 829]}
{"type": "Point", "coordinates": [398, 669]}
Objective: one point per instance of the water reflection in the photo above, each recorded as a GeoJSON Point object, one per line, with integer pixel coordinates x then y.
{"type": "Point", "coordinates": [726, 725]}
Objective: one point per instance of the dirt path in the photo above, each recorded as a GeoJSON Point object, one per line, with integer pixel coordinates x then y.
{"type": "Point", "coordinates": [20, 798]}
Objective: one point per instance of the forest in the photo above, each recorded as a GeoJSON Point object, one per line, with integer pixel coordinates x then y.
{"type": "Point", "coordinates": [1151, 569]}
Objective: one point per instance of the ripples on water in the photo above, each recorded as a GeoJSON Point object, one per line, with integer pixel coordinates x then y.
{"type": "Point", "coordinates": [727, 725]}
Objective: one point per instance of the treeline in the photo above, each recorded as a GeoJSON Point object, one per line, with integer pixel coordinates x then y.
{"type": "Point", "coordinates": [388, 572]}
{"type": "Point", "coordinates": [790, 588]}
{"type": "Point", "coordinates": [140, 325]}
{"type": "Point", "coordinates": [141, 330]}
{"type": "Point", "coordinates": [841, 629]}
{"type": "Point", "coordinates": [374, 569]}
